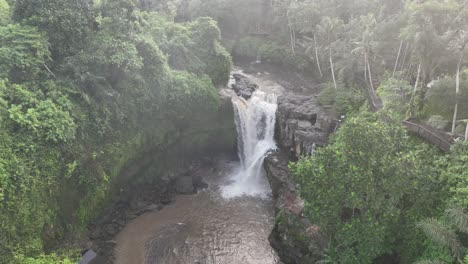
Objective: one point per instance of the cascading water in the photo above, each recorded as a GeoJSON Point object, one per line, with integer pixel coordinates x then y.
{"type": "Point", "coordinates": [208, 227]}
{"type": "Point", "coordinates": [255, 124]}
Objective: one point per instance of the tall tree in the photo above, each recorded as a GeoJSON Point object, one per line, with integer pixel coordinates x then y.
{"type": "Point", "coordinates": [329, 29]}
{"type": "Point", "coordinates": [307, 17]}
{"type": "Point", "coordinates": [364, 43]}
{"type": "Point", "coordinates": [462, 40]}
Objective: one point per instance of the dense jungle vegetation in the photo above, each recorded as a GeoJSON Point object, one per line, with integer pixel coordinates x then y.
{"type": "Point", "coordinates": [88, 85]}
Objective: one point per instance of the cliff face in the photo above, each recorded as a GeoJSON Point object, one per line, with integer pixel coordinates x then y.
{"type": "Point", "coordinates": [301, 124]}
{"type": "Point", "coordinates": [294, 238]}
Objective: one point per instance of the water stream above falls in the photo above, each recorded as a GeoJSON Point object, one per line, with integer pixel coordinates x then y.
{"type": "Point", "coordinates": [229, 222]}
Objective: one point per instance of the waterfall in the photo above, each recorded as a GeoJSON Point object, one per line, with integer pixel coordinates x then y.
{"type": "Point", "coordinates": [259, 57]}
{"type": "Point", "coordinates": [255, 124]}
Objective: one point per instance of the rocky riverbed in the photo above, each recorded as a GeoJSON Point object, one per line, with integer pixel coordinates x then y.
{"type": "Point", "coordinates": [186, 220]}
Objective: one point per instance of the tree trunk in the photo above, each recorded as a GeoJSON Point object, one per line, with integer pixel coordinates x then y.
{"type": "Point", "coordinates": [466, 132]}
{"type": "Point", "coordinates": [408, 73]}
{"type": "Point", "coordinates": [332, 69]}
{"type": "Point", "coordinates": [370, 73]}
{"type": "Point", "coordinates": [397, 59]}
{"type": "Point", "coordinates": [457, 90]}
{"type": "Point", "coordinates": [455, 113]}
{"type": "Point", "coordinates": [365, 67]}
{"type": "Point", "coordinates": [413, 95]}
{"type": "Point", "coordinates": [291, 35]}
{"type": "Point", "coordinates": [317, 56]}
{"type": "Point", "coordinates": [404, 57]}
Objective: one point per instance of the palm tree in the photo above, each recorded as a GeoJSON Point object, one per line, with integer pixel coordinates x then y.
{"type": "Point", "coordinates": [307, 17]}
{"type": "Point", "coordinates": [445, 236]}
{"type": "Point", "coordinates": [309, 44]}
{"type": "Point", "coordinates": [364, 44]}
{"type": "Point", "coordinates": [328, 30]}
{"type": "Point", "coordinates": [397, 58]}
{"type": "Point", "coordinates": [462, 40]}
{"type": "Point", "coordinates": [428, 40]}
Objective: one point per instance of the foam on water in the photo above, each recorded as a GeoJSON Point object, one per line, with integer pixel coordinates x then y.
{"type": "Point", "coordinates": [255, 124]}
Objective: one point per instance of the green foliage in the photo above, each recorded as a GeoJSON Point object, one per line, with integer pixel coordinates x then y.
{"type": "Point", "coordinates": [4, 12]}
{"type": "Point", "coordinates": [196, 47]}
{"type": "Point", "coordinates": [327, 96]}
{"type": "Point", "coordinates": [364, 186]}
{"type": "Point", "coordinates": [454, 168]}
{"type": "Point", "coordinates": [43, 259]}
{"type": "Point", "coordinates": [190, 96]}
{"type": "Point", "coordinates": [275, 53]}
{"type": "Point", "coordinates": [68, 24]}
{"type": "Point", "coordinates": [437, 121]}
{"type": "Point", "coordinates": [441, 235]}
{"type": "Point", "coordinates": [46, 115]}
{"type": "Point", "coordinates": [113, 97]}
{"type": "Point", "coordinates": [440, 99]}
{"type": "Point", "coordinates": [444, 240]}
{"type": "Point", "coordinates": [395, 94]}
{"type": "Point", "coordinates": [343, 99]}
{"type": "Point", "coordinates": [23, 51]}
{"type": "Point", "coordinates": [248, 47]}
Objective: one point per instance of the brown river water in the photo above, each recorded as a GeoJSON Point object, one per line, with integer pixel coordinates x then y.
{"type": "Point", "coordinates": [203, 228]}
{"type": "Point", "coordinates": [207, 228]}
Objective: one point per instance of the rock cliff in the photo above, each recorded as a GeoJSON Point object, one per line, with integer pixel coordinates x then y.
{"type": "Point", "coordinates": [301, 124]}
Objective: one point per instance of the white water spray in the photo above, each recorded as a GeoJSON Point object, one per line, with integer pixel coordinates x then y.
{"type": "Point", "coordinates": [255, 124]}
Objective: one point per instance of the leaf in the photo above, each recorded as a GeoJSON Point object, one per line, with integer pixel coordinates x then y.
{"type": "Point", "coordinates": [441, 235]}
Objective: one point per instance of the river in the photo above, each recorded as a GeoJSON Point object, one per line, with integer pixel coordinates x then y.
{"type": "Point", "coordinates": [230, 221]}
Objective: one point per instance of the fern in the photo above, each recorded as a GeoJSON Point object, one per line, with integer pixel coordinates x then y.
{"type": "Point", "coordinates": [459, 217]}
{"type": "Point", "coordinates": [430, 262]}
{"type": "Point", "coordinates": [441, 235]}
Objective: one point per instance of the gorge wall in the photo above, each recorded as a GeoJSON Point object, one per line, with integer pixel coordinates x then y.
{"type": "Point", "coordinates": [151, 179]}
{"type": "Point", "coordinates": [301, 126]}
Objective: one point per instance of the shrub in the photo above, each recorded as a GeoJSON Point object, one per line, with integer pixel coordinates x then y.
{"type": "Point", "coordinates": [396, 95]}
{"type": "Point", "coordinates": [248, 47]}
{"type": "Point", "coordinates": [327, 96]}
{"type": "Point", "coordinates": [48, 118]}
{"type": "Point", "coordinates": [437, 121]}
{"type": "Point", "coordinates": [43, 259]}
{"type": "Point", "coordinates": [23, 52]}
{"type": "Point", "coordinates": [365, 189]}
{"type": "Point", "coordinates": [440, 99]}
{"type": "Point", "coordinates": [4, 12]}
{"type": "Point", "coordinates": [343, 100]}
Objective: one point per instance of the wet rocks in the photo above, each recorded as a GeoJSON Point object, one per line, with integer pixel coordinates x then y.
{"type": "Point", "coordinates": [301, 124]}
{"type": "Point", "coordinates": [184, 185]}
{"type": "Point", "coordinates": [102, 232]}
{"type": "Point", "coordinates": [243, 86]}
{"type": "Point", "coordinates": [294, 238]}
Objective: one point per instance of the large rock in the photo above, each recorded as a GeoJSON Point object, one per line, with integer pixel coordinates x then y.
{"type": "Point", "coordinates": [301, 124]}
{"type": "Point", "coordinates": [243, 86]}
{"type": "Point", "coordinates": [293, 237]}
{"type": "Point", "coordinates": [184, 185]}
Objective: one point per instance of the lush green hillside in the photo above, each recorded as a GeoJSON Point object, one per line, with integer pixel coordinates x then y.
{"type": "Point", "coordinates": [85, 87]}
{"type": "Point", "coordinates": [88, 86]}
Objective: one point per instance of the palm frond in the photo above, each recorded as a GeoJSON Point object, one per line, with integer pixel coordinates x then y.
{"type": "Point", "coordinates": [441, 235]}
{"type": "Point", "coordinates": [430, 262]}
{"type": "Point", "coordinates": [459, 218]}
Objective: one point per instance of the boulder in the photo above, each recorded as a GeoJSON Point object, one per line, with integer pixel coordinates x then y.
{"type": "Point", "coordinates": [184, 185]}
{"type": "Point", "coordinates": [243, 86]}
{"type": "Point", "coordinates": [301, 124]}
